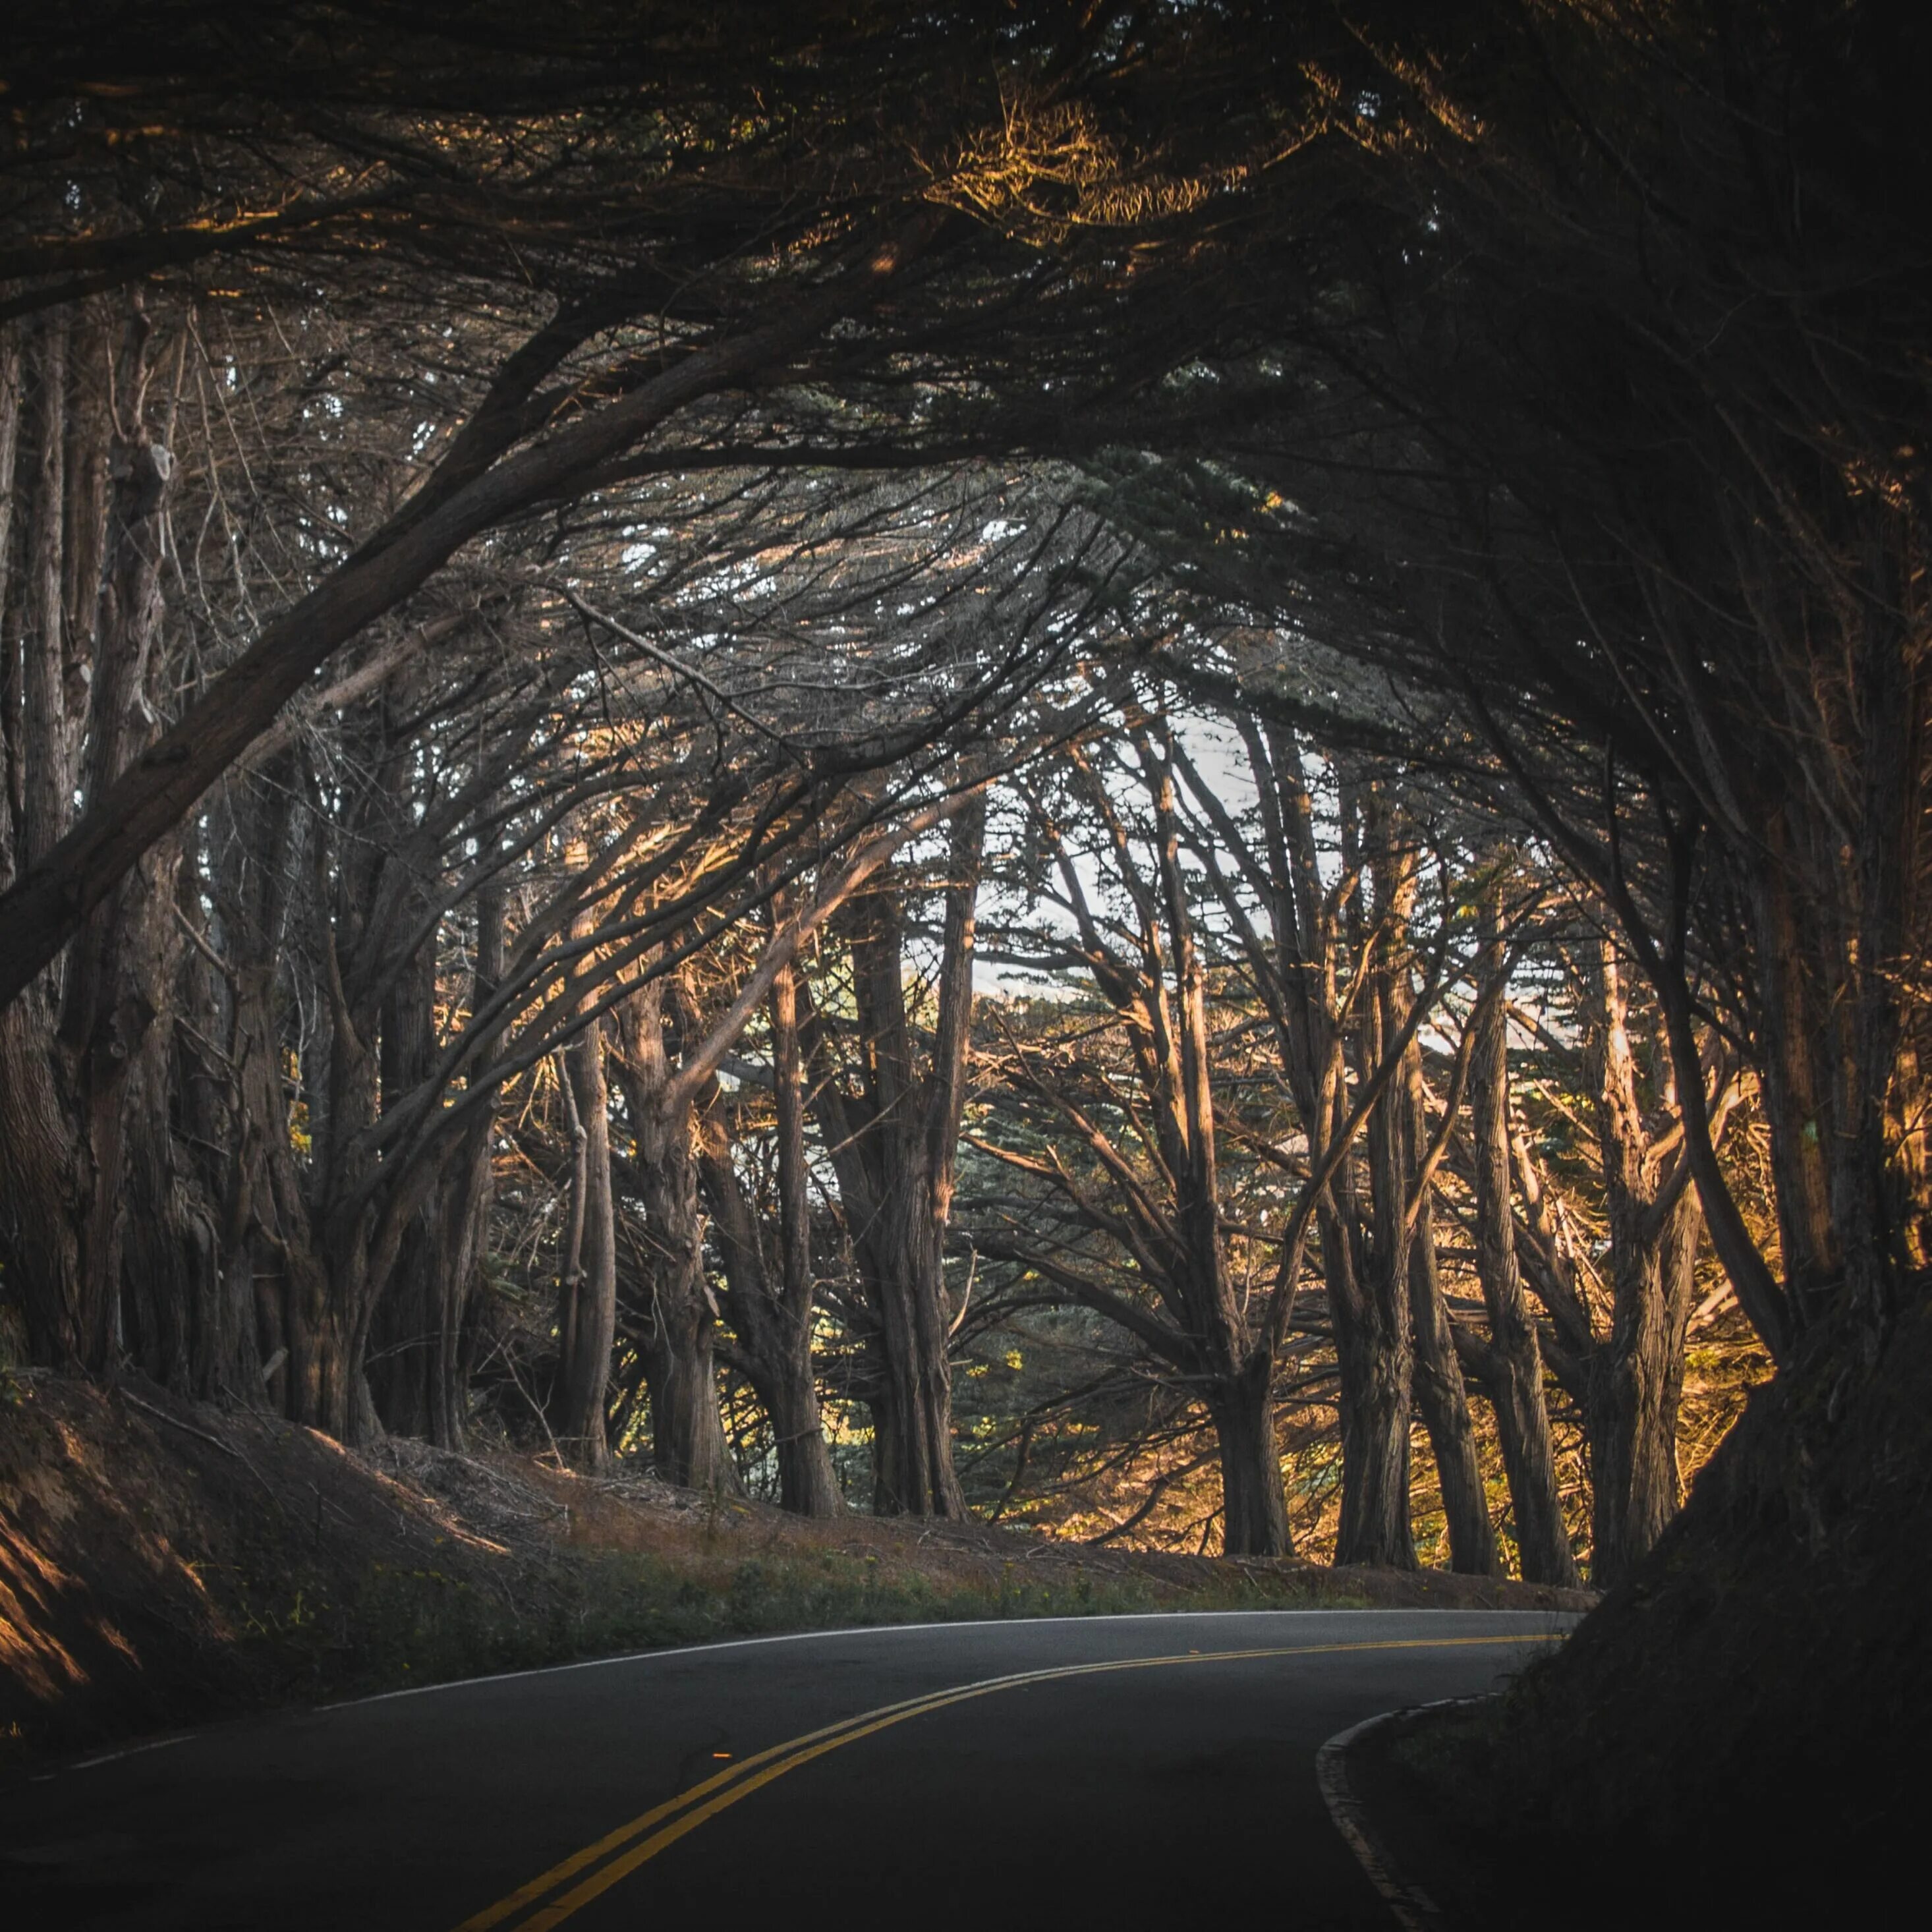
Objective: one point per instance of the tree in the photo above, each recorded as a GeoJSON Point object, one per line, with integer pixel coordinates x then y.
{"type": "Point", "coordinates": [892, 1126]}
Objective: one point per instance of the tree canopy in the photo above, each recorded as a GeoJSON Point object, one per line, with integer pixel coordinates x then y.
{"type": "Point", "coordinates": [562, 582]}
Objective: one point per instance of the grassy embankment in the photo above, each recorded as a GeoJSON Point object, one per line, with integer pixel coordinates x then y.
{"type": "Point", "coordinates": [161, 1564]}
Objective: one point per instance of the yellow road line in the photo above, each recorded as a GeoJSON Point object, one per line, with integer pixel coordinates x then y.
{"type": "Point", "coordinates": [690, 1809]}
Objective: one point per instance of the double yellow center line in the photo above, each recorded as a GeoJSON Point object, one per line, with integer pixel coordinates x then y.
{"type": "Point", "coordinates": [598, 1867]}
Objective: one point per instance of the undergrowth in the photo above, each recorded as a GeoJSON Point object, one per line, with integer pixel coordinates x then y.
{"type": "Point", "coordinates": [401, 1627]}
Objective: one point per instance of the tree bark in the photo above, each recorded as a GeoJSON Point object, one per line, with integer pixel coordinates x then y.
{"type": "Point", "coordinates": [585, 1371]}
{"type": "Point", "coordinates": [1373, 1326]}
{"type": "Point", "coordinates": [1440, 1391]}
{"type": "Point", "coordinates": [404, 1325]}
{"type": "Point", "coordinates": [896, 1146]}
{"type": "Point", "coordinates": [467, 1193]}
{"type": "Point", "coordinates": [47, 776]}
{"type": "Point", "coordinates": [1514, 1358]}
{"type": "Point", "coordinates": [1636, 1377]}
{"type": "Point", "coordinates": [687, 1432]}
{"type": "Point", "coordinates": [771, 1318]}
{"type": "Point", "coordinates": [1254, 1506]}
{"type": "Point", "coordinates": [1372, 1356]}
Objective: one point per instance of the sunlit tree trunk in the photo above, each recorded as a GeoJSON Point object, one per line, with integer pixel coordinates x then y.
{"type": "Point", "coordinates": [1443, 1397]}
{"type": "Point", "coordinates": [1635, 1376]}
{"type": "Point", "coordinates": [1374, 1330]}
{"type": "Point", "coordinates": [1512, 1360]}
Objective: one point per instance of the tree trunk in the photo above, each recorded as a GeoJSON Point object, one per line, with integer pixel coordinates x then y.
{"type": "Point", "coordinates": [404, 1324]}
{"type": "Point", "coordinates": [807, 1481]}
{"type": "Point", "coordinates": [1635, 1378]}
{"type": "Point", "coordinates": [774, 1349]}
{"type": "Point", "coordinates": [912, 1472]}
{"type": "Point", "coordinates": [47, 776]}
{"type": "Point", "coordinates": [1440, 1391]}
{"type": "Point", "coordinates": [468, 1188]}
{"type": "Point", "coordinates": [1372, 1356]}
{"type": "Point", "coordinates": [1373, 1326]}
{"type": "Point", "coordinates": [1254, 1506]}
{"type": "Point", "coordinates": [87, 1145]}
{"type": "Point", "coordinates": [585, 1373]}
{"type": "Point", "coordinates": [687, 1443]}
{"type": "Point", "coordinates": [772, 1315]}
{"type": "Point", "coordinates": [1514, 1359]}
{"type": "Point", "coordinates": [896, 1146]}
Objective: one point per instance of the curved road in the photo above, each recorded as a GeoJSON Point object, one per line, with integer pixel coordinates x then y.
{"type": "Point", "coordinates": [1106, 1770]}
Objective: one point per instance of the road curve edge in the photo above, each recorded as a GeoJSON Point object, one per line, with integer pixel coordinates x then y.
{"type": "Point", "coordinates": [1411, 1907]}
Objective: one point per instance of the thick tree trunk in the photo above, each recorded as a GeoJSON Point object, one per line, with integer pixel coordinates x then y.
{"type": "Point", "coordinates": [155, 1253]}
{"type": "Point", "coordinates": [1403, 1253]}
{"type": "Point", "coordinates": [808, 1483]}
{"type": "Point", "coordinates": [46, 1192]}
{"type": "Point", "coordinates": [912, 1437]}
{"type": "Point", "coordinates": [44, 1182]}
{"type": "Point", "coordinates": [774, 1348]}
{"type": "Point", "coordinates": [1371, 1354]}
{"type": "Point", "coordinates": [1635, 1377]}
{"type": "Point", "coordinates": [1254, 1506]}
{"type": "Point", "coordinates": [1372, 1365]}
{"type": "Point", "coordinates": [1637, 1384]}
{"type": "Point", "coordinates": [109, 1254]}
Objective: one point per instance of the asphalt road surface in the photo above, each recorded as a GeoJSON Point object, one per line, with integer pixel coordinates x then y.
{"type": "Point", "coordinates": [1114, 1771]}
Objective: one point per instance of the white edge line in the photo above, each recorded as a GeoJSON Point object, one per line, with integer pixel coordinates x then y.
{"type": "Point", "coordinates": [894, 1629]}
{"type": "Point", "coordinates": [108, 1757]}
{"type": "Point", "coordinates": [782, 1637]}
{"type": "Point", "coordinates": [1412, 1908]}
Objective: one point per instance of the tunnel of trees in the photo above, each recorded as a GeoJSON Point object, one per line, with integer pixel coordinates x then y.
{"type": "Point", "coordinates": [1155, 769]}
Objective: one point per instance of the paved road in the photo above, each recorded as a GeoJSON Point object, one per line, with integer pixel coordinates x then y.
{"type": "Point", "coordinates": [1139, 1767]}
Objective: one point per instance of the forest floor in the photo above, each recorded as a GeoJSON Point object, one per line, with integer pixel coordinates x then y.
{"type": "Point", "coordinates": [163, 1564]}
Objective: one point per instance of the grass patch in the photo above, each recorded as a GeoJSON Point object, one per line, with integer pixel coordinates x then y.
{"type": "Point", "coordinates": [398, 1627]}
